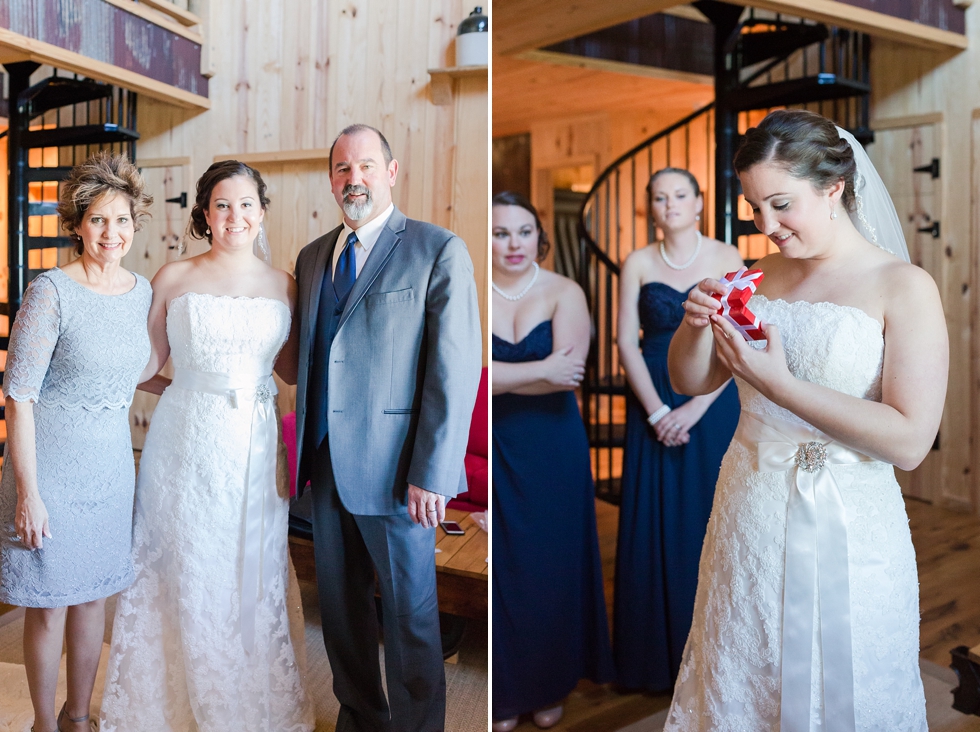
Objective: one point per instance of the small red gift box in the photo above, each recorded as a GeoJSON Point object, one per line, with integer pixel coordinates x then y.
{"type": "Point", "coordinates": [734, 304]}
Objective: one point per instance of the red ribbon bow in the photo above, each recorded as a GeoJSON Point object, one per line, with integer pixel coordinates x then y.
{"type": "Point", "coordinates": [741, 286]}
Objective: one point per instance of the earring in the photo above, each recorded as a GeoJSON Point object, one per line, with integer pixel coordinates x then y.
{"type": "Point", "coordinates": [260, 247]}
{"type": "Point", "coordinates": [698, 217]}
{"type": "Point", "coordinates": [208, 232]}
{"type": "Point", "coordinates": [833, 215]}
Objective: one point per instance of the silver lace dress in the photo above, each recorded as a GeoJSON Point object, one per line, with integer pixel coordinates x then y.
{"type": "Point", "coordinates": [77, 356]}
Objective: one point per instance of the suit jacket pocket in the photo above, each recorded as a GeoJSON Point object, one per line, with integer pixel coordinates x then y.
{"type": "Point", "coordinates": [388, 298]}
{"type": "Point", "coordinates": [401, 411]}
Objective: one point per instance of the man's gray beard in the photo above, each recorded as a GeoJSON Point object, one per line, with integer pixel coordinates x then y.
{"type": "Point", "coordinates": [357, 211]}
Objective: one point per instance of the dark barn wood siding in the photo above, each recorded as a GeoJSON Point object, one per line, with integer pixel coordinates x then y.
{"type": "Point", "coordinates": [104, 32]}
{"type": "Point", "coordinates": [941, 14]}
{"type": "Point", "coordinates": [662, 41]}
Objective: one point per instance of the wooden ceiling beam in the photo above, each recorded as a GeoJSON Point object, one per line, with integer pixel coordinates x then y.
{"type": "Point", "coordinates": [525, 25]}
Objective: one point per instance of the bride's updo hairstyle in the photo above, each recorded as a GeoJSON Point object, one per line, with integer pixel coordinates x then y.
{"type": "Point", "coordinates": [205, 185]}
{"type": "Point", "coordinates": [805, 145]}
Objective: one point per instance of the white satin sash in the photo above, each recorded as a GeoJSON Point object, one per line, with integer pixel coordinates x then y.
{"type": "Point", "coordinates": [255, 392]}
{"type": "Point", "coordinates": [816, 569]}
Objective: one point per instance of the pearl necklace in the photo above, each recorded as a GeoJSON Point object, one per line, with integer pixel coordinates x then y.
{"type": "Point", "coordinates": [697, 249]}
{"type": "Point", "coordinates": [514, 298]}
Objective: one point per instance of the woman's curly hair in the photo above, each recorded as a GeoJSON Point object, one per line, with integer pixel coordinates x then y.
{"type": "Point", "coordinates": [102, 174]}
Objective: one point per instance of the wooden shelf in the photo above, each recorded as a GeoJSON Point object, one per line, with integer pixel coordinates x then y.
{"type": "Point", "coordinates": [148, 12]}
{"type": "Point", "coordinates": [442, 81]}
{"type": "Point", "coordinates": [179, 14]}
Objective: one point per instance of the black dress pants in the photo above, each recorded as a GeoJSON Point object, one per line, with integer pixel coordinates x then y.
{"type": "Point", "coordinates": [349, 549]}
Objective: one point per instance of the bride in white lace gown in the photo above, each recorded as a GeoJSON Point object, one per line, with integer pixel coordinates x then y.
{"type": "Point", "coordinates": [806, 615]}
{"type": "Point", "coordinates": [210, 635]}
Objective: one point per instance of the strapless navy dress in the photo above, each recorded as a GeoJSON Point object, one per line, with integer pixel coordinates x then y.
{"type": "Point", "coordinates": [666, 500]}
{"type": "Point", "coordinates": [549, 614]}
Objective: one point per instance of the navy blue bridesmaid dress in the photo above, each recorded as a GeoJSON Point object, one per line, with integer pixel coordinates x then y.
{"type": "Point", "coordinates": [549, 614]}
{"type": "Point", "coordinates": [666, 501]}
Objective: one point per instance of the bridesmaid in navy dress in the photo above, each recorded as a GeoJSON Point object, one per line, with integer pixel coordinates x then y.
{"type": "Point", "coordinates": [549, 614]}
{"type": "Point", "coordinates": [674, 444]}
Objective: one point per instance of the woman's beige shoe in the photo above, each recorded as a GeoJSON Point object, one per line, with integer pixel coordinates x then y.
{"type": "Point", "coordinates": [505, 725]}
{"type": "Point", "coordinates": [545, 718]}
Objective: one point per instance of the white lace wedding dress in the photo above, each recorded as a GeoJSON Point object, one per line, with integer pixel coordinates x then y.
{"type": "Point", "coordinates": [825, 551]}
{"type": "Point", "coordinates": [209, 637]}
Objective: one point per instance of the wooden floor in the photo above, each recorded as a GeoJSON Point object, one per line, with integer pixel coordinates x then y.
{"type": "Point", "coordinates": [947, 546]}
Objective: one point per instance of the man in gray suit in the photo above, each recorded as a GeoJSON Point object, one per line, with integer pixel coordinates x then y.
{"type": "Point", "coordinates": [390, 355]}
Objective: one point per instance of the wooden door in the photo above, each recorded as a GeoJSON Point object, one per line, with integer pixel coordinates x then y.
{"type": "Point", "coordinates": [896, 153]}
{"type": "Point", "coordinates": [155, 245]}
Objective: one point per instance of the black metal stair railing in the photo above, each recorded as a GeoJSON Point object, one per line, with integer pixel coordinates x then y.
{"type": "Point", "coordinates": [615, 219]}
{"type": "Point", "coordinates": [768, 62]}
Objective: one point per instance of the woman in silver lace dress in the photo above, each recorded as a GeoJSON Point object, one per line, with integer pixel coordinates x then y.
{"type": "Point", "coordinates": [77, 349]}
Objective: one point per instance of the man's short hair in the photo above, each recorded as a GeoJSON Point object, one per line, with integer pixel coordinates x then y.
{"type": "Point", "coordinates": [353, 129]}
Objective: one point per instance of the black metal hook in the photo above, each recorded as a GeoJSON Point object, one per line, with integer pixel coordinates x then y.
{"type": "Point", "coordinates": [181, 199]}
{"type": "Point", "coordinates": [932, 169]}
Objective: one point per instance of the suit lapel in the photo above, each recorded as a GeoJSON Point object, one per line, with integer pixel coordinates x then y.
{"type": "Point", "coordinates": [383, 248]}
{"type": "Point", "coordinates": [323, 256]}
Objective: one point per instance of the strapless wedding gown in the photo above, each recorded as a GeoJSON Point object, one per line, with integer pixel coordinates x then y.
{"type": "Point", "coordinates": [209, 637]}
{"type": "Point", "coordinates": [807, 612]}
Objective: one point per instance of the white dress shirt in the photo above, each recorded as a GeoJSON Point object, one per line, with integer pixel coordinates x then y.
{"type": "Point", "coordinates": [367, 236]}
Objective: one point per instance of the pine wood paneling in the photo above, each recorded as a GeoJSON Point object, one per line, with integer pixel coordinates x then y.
{"type": "Point", "coordinates": [289, 76]}
{"type": "Point", "coordinates": [912, 86]}
{"type": "Point", "coordinates": [529, 92]}
{"type": "Point", "coordinates": [471, 192]}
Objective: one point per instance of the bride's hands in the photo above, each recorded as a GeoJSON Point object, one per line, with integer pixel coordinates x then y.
{"type": "Point", "coordinates": [700, 305]}
{"type": "Point", "coordinates": [764, 369]}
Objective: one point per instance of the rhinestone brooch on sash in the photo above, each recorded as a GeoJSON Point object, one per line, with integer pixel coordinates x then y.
{"type": "Point", "coordinates": [811, 457]}
{"type": "Point", "coordinates": [263, 394]}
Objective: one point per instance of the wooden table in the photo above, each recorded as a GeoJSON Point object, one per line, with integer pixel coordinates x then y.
{"type": "Point", "coordinates": [462, 570]}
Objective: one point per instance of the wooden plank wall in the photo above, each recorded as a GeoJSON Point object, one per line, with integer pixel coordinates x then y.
{"type": "Point", "coordinates": [289, 76]}
{"type": "Point", "coordinates": [912, 86]}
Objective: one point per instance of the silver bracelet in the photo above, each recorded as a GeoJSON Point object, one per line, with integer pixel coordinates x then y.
{"type": "Point", "coordinates": [658, 415]}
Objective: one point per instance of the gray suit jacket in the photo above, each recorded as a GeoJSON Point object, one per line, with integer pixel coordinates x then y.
{"type": "Point", "coordinates": [404, 366]}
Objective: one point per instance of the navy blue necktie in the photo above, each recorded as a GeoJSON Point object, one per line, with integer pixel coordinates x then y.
{"type": "Point", "coordinates": [346, 273]}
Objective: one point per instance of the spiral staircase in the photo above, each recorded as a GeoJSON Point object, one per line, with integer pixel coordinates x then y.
{"type": "Point", "coordinates": [762, 61]}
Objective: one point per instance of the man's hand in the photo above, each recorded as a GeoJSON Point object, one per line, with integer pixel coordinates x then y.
{"type": "Point", "coordinates": [425, 508]}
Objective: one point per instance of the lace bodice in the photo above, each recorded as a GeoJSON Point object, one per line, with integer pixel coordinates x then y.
{"type": "Point", "coordinates": [73, 348]}
{"type": "Point", "coordinates": [836, 346]}
{"type": "Point", "coordinates": [223, 334]}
